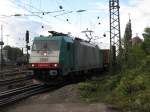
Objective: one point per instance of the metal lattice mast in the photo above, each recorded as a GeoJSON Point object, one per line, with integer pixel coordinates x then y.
{"type": "Point", "coordinates": [115, 35]}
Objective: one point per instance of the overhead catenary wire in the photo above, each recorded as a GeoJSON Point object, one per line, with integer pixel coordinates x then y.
{"type": "Point", "coordinates": [21, 6]}
{"type": "Point", "coordinates": [38, 11]}
{"type": "Point", "coordinates": [42, 12]}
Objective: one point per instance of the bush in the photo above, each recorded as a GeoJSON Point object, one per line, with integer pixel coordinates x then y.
{"type": "Point", "coordinates": [88, 91]}
{"type": "Point", "coordinates": [129, 90]}
{"type": "Point", "coordinates": [132, 92]}
{"type": "Point", "coordinates": [131, 84]}
{"type": "Point", "coordinates": [145, 66]}
{"type": "Point", "coordinates": [99, 89]}
{"type": "Point", "coordinates": [87, 87]}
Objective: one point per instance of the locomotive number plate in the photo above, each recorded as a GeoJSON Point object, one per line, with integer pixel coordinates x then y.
{"type": "Point", "coordinates": [43, 65]}
{"type": "Point", "coordinates": [43, 59]}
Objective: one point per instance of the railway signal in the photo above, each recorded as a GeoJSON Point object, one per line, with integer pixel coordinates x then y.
{"type": "Point", "coordinates": [1, 43]}
{"type": "Point", "coordinates": [27, 36]}
{"type": "Point", "coordinates": [27, 46]}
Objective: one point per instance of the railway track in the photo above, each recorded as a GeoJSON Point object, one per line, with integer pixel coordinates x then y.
{"type": "Point", "coordinates": [15, 80]}
{"type": "Point", "coordinates": [12, 73]}
{"type": "Point", "coordinates": [14, 95]}
{"type": "Point", "coordinates": [13, 69]}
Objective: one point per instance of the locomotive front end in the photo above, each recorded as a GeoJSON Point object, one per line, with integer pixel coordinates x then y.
{"type": "Point", "coordinates": [44, 58]}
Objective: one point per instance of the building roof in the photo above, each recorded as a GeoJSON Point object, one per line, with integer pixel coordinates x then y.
{"type": "Point", "coordinates": [136, 40]}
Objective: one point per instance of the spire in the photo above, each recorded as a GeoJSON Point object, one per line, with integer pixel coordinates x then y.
{"type": "Point", "coordinates": [129, 17]}
{"type": "Point", "coordinates": [128, 30]}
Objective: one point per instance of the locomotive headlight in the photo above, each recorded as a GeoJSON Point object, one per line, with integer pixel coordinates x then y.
{"type": "Point", "coordinates": [55, 65]}
{"type": "Point", "coordinates": [32, 65]}
{"type": "Point", "coordinates": [45, 54]}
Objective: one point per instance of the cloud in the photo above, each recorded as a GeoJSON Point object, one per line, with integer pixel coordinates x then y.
{"type": "Point", "coordinates": [8, 8]}
{"type": "Point", "coordinates": [98, 7]}
{"type": "Point", "coordinates": [139, 11]}
{"type": "Point", "coordinates": [16, 26]}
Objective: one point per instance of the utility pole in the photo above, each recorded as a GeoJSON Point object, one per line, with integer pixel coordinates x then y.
{"type": "Point", "coordinates": [1, 43]}
{"type": "Point", "coordinates": [115, 35]}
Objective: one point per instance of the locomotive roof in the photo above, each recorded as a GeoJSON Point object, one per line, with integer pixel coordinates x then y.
{"type": "Point", "coordinates": [84, 42]}
{"type": "Point", "coordinates": [63, 37]}
{"type": "Point", "coordinates": [66, 38]}
{"type": "Point", "coordinates": [88, 44]}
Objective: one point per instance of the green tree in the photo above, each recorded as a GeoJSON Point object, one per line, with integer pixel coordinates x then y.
{"type": "Point", "coordinates": [146, 43]}
{"type": "Point", "coordinates": [13, 52]}
{"type": "Point", "coordinates": [9, 52]}
{"type": "Point", "coordinates": [136, 56]}
{"type": "Point", "coordinates": [127, 40]}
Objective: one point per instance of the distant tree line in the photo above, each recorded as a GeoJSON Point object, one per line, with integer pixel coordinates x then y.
{"type": "Point", "coordinates": [13, 52]}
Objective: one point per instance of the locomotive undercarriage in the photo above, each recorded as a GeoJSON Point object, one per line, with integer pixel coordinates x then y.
{"type": "Point", "coordinates": [48, 76]}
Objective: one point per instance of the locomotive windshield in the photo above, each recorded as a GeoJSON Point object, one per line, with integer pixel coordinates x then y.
{"type": "Point", "coordinates": [43, 45]}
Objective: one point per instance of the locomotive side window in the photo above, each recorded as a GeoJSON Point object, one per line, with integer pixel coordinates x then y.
{"type": "Point", "coordinates": [45, 46]}
{"type": "Point", "coordinates": [68, 46]}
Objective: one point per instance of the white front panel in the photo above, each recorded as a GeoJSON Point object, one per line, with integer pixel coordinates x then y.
{"type": "Point", "coordinates": [44, 57]}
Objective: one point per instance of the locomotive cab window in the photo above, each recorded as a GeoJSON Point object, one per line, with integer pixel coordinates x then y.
{"type": "Point", "coordinates": [45, 45]}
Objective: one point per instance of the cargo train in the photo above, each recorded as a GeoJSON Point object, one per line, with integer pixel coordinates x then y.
{"type": "Point", "coordinates": [59, 55]}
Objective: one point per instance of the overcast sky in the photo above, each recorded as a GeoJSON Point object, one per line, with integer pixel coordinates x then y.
{"type": "Point", "coordinates": [74, 21]}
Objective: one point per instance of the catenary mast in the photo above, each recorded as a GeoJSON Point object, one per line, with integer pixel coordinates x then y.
{"type": "Point", "coordinates": [115, 34]}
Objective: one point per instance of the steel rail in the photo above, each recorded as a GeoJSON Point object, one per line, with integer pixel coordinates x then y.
{"type": "Point", "coordinates": [15, 80]}
{"type": "Point", "coordinates": [20, 93]}
{"type": "Point", "coordinates": [17, 90]}
{"type": "Point", "coordinates": [11, 73]}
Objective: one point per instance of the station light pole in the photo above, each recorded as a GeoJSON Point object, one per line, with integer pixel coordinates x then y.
{"type": "Point", "coordinates": [1, 43]}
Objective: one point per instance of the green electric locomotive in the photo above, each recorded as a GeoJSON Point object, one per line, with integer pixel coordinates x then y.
{"type": "Point", "coordinates": [58, 55]}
